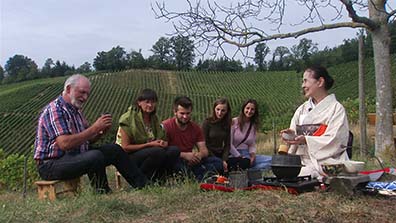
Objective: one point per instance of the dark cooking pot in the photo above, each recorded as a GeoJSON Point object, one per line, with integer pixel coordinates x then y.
{"type": "Point", "coordinates": [286, 166]}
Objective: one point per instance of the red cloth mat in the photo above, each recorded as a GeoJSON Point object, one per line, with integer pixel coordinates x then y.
{"type": "Point", "coordinates": [208, 187]}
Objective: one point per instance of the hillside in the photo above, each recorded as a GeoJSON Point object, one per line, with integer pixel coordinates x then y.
{"type": "Point", "coordinates": [278, 94]}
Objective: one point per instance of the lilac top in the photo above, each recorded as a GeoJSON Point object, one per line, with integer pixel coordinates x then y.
{"type": "Point", "coordinates": [237, 136]}
{"type": "Point", "coordinates": [58, 118]}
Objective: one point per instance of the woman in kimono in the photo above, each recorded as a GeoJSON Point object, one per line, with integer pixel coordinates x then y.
{"type": "Point", "coordinates": [216, 130]}
{"type": "Point", "coordinates": [319, 128]}
{"type": "Point", "coordinates": [243, 140]}
{"type": "Point", "coordinates": [141, 135]}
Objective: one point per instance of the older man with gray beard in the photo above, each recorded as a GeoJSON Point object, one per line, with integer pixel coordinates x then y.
{"type": "Point", "coordinates": [63, 149]}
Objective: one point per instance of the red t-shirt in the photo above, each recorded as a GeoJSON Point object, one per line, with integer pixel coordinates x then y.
{"type": "Point", "coordinates": [184, 139]}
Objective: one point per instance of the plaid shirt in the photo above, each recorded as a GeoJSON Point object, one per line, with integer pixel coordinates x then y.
{"type": "Point", "coordinates": [58, 118]}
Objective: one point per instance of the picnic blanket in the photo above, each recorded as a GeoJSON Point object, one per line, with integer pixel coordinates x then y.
{"type": "Point", "coordinates": [217, 187]}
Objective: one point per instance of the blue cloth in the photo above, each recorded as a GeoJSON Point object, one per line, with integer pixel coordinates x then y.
{"type": "Point", "coordinates": [382, 185]}
{"type": "Point", "coordinates": [262, 162]}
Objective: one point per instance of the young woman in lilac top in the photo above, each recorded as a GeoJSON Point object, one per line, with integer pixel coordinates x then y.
{"type": "Point", "coordinates": [243, 140]}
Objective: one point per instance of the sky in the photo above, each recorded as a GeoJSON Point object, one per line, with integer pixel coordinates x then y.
{"type": "Point", "coordinates": [74, 31]}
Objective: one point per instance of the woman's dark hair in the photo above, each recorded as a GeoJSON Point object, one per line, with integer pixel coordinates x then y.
{"type": "Point", "coordinates": [146, 94]}
{"type": "Point", "coordinates": [227, 117]}
{"type": "Point", "coordinates": [183, 101]}
{"type": "Point", "coordinates": [318, 72]}
{"type": "Point", "coordinates": [254, 119]}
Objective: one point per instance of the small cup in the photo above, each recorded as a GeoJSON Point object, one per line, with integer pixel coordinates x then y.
{"type": "Point", "coordinates": [288, 136]}
{"type": "Point", "coordinates": [283, 149]}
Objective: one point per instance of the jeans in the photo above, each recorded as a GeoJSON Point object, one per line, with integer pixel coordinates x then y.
{"type": "Point", "coordinates": [208, 166]}
{"type": "Point", "coordinates": [154, 161]}
{"type": "Point", "coordinates": [93, 162]}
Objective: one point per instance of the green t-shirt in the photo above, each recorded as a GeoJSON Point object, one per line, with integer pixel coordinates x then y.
{"type": "Point", "coordinates": [133, 125]}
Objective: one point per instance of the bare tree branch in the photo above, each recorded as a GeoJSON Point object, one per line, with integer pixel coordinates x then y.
{"type": "Point", "coordinates": [392, 13]}
{"type": "Point", "coordinates": [249, 22]}
{"type": "Point", "coordinates": [297, 34]}
{"type": "Point", "coordinates": [353, 15]}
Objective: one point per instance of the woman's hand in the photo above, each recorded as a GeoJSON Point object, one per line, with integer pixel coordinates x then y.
{"type": "Point", "coordinates": [158, 143]}
{"type": "Point", "coordinates": [252, 158]}
{"type": "Point", "coordinates": [225, 166]}
{"type": "Point", "coordinates": [299, 140]}
{"type": "Point", "coordinates": [287, 134]}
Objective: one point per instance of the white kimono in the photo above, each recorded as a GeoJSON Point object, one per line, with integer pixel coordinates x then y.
{"type": "Point", "coordinates": [329, 147]}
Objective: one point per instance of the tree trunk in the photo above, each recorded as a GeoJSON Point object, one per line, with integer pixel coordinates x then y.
{"type": "Point", "coordinates": [384, 145]}
{"type": "Point", "coordinates": [362, 100]}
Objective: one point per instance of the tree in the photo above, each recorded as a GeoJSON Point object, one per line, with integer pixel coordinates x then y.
{"type": "Point", "coordinates": [136, 60]}
{"type": "Point", "coordinates": [84, 68]}
{"type": "Point", "coordinates": [1, 74]}
{"type": "Point", "coordinates": [222, 64]}
{"type": "Point", "coordinates": [100, 61]}
{"type": "Point", "coordinates": [261, 51]}
{"type": "Point", "coordinates": [239, 24]}
{"type": "Point", "coordinates": [20, 68]}
{"type": "Point", "coordinates": [279, 61]}
{"type": "Point", "coordinates": [46, 70]}
{"type": "Point", "coordinates": [116, 59]}
{"type": "Point", "coordinates": [349, 50]}
{"type": "Point", "coordinates": [303, 52]}
{"type": "Point", "coordinates": [113, 60]}
{"type": "Point", "coordinates": [61, 69]}
{"type": "Point", "coordinates": [182, 51]}
{"type": "Point", "coordinates": [161, 58]}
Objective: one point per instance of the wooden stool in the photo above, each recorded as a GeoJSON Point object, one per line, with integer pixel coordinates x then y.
{"type": "Point", "coordinates": [51, 189]}
{"type": "Point", "coordinates": [118, 180]}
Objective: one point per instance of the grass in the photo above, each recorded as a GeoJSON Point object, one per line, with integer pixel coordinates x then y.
{"type": "Point", "coordinates": [185, 202]}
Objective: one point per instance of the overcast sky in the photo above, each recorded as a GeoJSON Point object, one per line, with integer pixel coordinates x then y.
{"type": "Point", "coordinates": [74, 31]}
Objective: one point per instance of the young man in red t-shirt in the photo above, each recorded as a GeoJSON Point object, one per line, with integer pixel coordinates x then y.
{"type": "Point", "coordinates": [185, 134]}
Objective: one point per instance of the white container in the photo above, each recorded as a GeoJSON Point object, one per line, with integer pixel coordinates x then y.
{"type": "Point", "coordinates": [353, 167]}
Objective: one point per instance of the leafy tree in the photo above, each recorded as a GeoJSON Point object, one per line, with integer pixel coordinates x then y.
{"type": "Point", "coordinates": [61, 69]}
{"type": "Point", "coordinates": [161, 58]}
{"type": "Point", "coordinates": [136, 60]}
{"type": "Point", "coordinates": [217, 25]}
{"type": "Point", "coordinates": [392, 31]}
{"type": "Point", "coordinates": [84, 68]}
{"type": "Point", "coordinates": [250, 67]}
{"type": "Point", "coordinates": [261, 51]}
{"type": "Point", "coordinates": [1, 74]}
{"type": "Point", "coordinates": [222, 64]}
{"type": "Point", "coordinates": [100, 61]}
{"type": "Point", "coordinates": [350, 50]}
{"type": "Point", "coordinates": [116, 59]}
{"type": "Point", "coordinates": [182, 51]}
{"type": "Point", "coordinates": [46, 70]}
{"type": "Point", "coordinates": [302, 53]}
{"type": "Point", "coordinates": [21, 68]}
{"type": "Point", "coordinates": [279, 61]}
{"type": "Point", "coordinates": [113, 60]}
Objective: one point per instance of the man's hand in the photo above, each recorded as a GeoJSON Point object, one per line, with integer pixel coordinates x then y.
{"type": "Point", "coordinates": [102, 124]}
{"type": "Point", "coordinates": [192, 158]}
{"type": "Point", "coordinates": [93, 133]}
